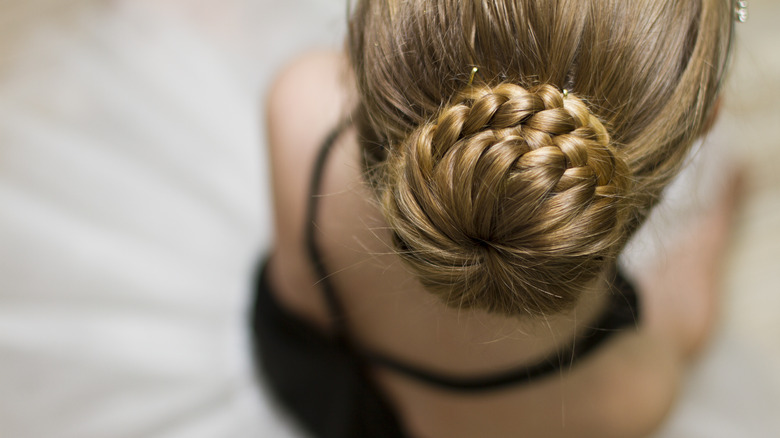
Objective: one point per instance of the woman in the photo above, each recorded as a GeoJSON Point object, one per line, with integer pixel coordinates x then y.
{"type": "Point", "coordinates": [451, 198]}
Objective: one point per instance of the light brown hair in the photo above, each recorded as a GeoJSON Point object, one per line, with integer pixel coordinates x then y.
{"type": "Point", "coordinates": [507, 194]}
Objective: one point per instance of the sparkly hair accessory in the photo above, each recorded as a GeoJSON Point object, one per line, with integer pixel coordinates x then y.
{"type": "Point", "coordinates": [741, 11]}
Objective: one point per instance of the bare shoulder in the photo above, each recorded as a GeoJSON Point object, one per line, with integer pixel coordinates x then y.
{"type": "Point", "coordinates": [638, 390]}
{"type": "Point", "coordinates": [305, 102]}
{"type": "Point", "coordinates": [306, 99]}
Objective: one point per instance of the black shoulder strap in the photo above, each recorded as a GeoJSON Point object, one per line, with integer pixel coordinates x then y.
{"type": "Point", "coordinates": [335, 307]}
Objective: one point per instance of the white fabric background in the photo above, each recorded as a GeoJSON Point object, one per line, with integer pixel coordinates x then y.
{"type": "Point", "coordinates": [134, 202]}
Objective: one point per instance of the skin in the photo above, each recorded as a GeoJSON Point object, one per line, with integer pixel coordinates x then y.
{"type": "Point", "coordinates": [624, 389]}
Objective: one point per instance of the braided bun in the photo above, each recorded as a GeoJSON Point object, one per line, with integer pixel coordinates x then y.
{"type": "Point", "coordinates": [508, 200]}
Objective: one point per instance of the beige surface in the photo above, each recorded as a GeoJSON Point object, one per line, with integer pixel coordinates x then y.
{"type": "Point", "coordinates": [753, 116]}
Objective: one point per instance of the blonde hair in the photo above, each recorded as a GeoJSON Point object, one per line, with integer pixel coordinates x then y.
{"type": "Point", "coordinates": [508, 194]}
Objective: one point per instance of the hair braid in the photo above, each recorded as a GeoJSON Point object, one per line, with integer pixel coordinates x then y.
{"type": "Point", "coordinates": [503, 189]}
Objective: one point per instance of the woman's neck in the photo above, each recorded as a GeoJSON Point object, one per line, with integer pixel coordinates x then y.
{"type": "Point", "coordinates": [429, 333]}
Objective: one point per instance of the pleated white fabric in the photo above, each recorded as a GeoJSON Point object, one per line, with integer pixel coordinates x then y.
{"type": "Point", "coordinates": [132, 210]}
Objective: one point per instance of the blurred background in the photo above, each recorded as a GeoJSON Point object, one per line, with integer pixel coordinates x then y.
{"type": "Point", "coordinates": [134, 203]}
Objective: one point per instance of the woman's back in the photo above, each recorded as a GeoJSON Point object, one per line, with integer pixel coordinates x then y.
{"type": "Point", "coordinates": [623, 389]}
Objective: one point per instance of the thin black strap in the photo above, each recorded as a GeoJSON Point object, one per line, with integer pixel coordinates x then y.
{"type": "Point", "coordinates": [621, 312]}
{"type": "Point", "coordinates": [335, 307]}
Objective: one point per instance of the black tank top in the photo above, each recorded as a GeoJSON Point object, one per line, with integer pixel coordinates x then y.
{"type": "Point", "coordinates": [323, 380]}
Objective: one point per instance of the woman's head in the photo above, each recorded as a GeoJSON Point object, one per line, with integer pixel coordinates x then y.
{"type": "Point", "coordinates": [508, 194]}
